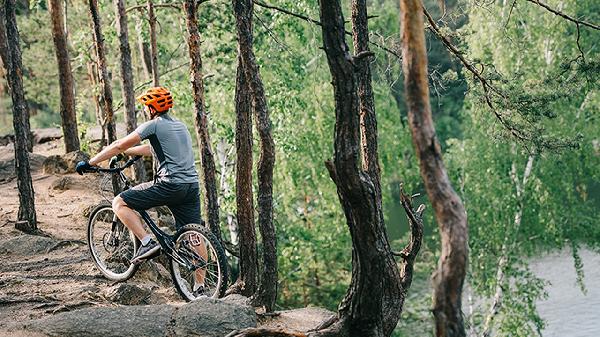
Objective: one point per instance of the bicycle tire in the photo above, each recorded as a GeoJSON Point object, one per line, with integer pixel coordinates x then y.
{"type": "Point", "coordinates": [215, 259]}
{"type": "Point", "coordinates": [111, 271]}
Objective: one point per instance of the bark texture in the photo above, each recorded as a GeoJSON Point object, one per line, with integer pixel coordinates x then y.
{"type": "Point", "coordinates": [368, 118]}
{"type": "Point", "coordinates": [26, 215]}
{"type": "Point", "coordinates": [127, 80]}
{"type": "Point", "coordinates": [374, 300]}
{"type": "Point", "coordinates": [144, 50]}
{"type": "Point", "coordinates": [243, 185]}
{"type": "Point", "coordinates": [4, 54]}
{"type": "Point", "coordinates": [153, 46]}
{"type": "Point", "coordinates": [3, 39]}
{"type": "Point", "coordinates": [211, 203]}
{"type": "Point", "coordinates": [106, 98]}
{"type": "Point", "coordinates": [65, 77]}
{"type": "Point", "coordinates": [267, 291]}
{"type": "Point", "coordinates": [449, 210]}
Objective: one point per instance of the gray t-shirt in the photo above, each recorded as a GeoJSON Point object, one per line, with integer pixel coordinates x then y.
{"type": "Point", "coordinates": [172, 149]}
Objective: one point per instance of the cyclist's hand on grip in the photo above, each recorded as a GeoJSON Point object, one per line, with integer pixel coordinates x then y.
{"type": "Point", "coordinates": [83, 166]}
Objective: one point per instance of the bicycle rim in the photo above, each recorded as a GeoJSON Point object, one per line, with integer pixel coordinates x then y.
{"type": "Point", "coordinates": [111, 244]}
{"type": "Point", "coordinates": [210, 261]}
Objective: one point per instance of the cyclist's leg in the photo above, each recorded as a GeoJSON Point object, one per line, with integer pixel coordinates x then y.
{"type": "Point", "coordinates": [125, 212]}
{"type": "Point", "coordinates": [187, 211]}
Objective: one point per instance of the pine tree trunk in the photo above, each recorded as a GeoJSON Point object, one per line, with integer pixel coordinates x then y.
{"type": "Point", "coordinates": [207, 159]}
{"type": "Point", "coordinates": [144, 50]}
{"type": "Point", "coordinates": [127, 81]}
{"type": "Point", "coordinates": [106, 98]}
{"type": "Point", "coordinates": [449, 210]}
{"type": "Point", "coordinates": [267, 292]}
{"type": "Point", "coordinates": [93, 77]}
{"type": "Point", "coordinates": [243, 185]}
{"type": "Point", "coordinates": [65, 77]}
{"type": "Point", "coordinates": [368, 118]}
{"type": "Point", "coordinates": [4, 51]}
{"type": "Point", "coordinates": [375, 297]}
{"type": "Point", "coordinates": [153, 46]}
{"type": "Point", "coordinates": [368, 136]}
{"type": "Point", "coordinates": [3, 40]}
{"type": "Point", "coordinates": [26, 215]}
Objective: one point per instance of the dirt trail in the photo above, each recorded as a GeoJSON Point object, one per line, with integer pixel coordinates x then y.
{"type": "Point", "coordinates": [44, 275]}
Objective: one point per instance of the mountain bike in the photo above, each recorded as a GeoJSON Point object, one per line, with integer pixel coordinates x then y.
{"type": "Point", "coordinates": [193, 251]}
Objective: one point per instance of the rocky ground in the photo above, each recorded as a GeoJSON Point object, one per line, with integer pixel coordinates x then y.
{"type": "Point", "coordinates": [48, 281]}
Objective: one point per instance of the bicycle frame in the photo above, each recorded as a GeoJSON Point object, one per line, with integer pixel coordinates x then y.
{"type": "Point", "coordinates": [165, 240]}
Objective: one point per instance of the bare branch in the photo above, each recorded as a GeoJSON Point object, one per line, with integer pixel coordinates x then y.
{"type": "Point", "coordinates": [318, 23]}
{"type": "Point", "coordinates": [261, 332]}
{"type": "Point", "coordinates": [409, 253]}
{"type": "Point", "coordinates": [488, 88]}
{"type": "Point", "coordinates": [564, 16]}
{"type": "Point", "coordinates": [174, 5]}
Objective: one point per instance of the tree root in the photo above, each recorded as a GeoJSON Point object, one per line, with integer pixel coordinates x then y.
{"type": "Point", "coordinates": [259, 332]}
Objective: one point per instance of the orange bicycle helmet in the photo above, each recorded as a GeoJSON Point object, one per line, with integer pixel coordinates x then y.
{"type": "Point", "coordinates": [159, 98]}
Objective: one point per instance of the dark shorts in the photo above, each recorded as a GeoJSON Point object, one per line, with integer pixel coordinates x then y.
{"type": "Point", "coordinates": [182, 199]}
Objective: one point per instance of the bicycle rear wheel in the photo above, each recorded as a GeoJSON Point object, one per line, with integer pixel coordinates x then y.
{"type": "Point", "coordinates": [111, 244]}
{"type": "Point", "coordinates": [206, 266]}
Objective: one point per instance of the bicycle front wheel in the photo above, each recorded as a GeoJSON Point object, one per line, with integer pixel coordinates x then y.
{"type": "Point", "coordinates": [205, 270]}
{"type": "Point", "coordinates": [111, 244]}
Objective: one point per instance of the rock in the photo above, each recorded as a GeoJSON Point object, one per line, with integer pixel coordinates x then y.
{"type": "Point", "coordinates": [45, 135]}
{"type": "Point", "coordinates": [209, 317]}
{"type": "Point", "coordinates": [55, 164]}
{"type": "Point", "coordinates": [7, 162]}
{"type": "Point", "coordinates": [61, 164]}
{"type": "Point", "coordinates": [299, 320]}
{"type": "Point", "coordinates": [7, 139]}
{"type": "Point", "coordinates": [74, 157]}
{"type": "Point", "coordinates": [236, 299]}
{"type": "Point", "coordinates": [26, 245]}
{"type": "Point", "coordinates": [155, 271]}
{"type": "Point", "coordinates": [204, 317]}
{"type": "Point", "coordinates": [63, 183]}
{"type": "Point", "coordinates": [129, 294]}
{"type": "Point", "coordinates": [104, 321]}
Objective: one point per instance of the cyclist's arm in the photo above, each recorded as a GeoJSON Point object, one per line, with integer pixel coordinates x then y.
{"type": "Point", "coordinates": [116, 147]}
{"type": "Point", "coordinates": [140, 150]}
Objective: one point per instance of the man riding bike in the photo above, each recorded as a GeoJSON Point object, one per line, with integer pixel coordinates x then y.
{"type": "Point", "coordinates": [176, 180]}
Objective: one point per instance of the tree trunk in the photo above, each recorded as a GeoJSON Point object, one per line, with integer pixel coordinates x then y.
{"type": "Point", "coordinates": [449, 210]}
{"type": "Point", "coordinates": [106, 99]}
{"type": "Point", "coordinates": [93, 77]}
{"type": "Point", "coordinates": [207, 159]}
{"type": "Point", "coordinates": [243, 185]}
{"type": "Point", "coordinates": [127, 80]}
{"type": "Point", "coordinates": [65, 77]}
{"type": "Point", "coordinates": [4, 54]}
{"type": "Point", "coordinates": [153, 46]}
{"type": "Point", "coordinates": [368, 118]}
{"type": "Point", "coordinates": [510, 236]}
{"type": "Point", "coordinates": [374, 300]}
{"type": "Point", "coordinates": [3, 39]}
{"type": "Point", "coordinates": [26, 215]}
{"type": "Point", "coordinates": [267, 292]}
{"type": "Point", "coordinates": [144, 50]}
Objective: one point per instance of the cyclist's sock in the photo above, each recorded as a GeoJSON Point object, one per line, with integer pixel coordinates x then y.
{"type": "Point", "coordinates": [146, 239]}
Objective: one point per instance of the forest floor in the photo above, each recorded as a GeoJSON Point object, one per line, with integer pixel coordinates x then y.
{"type": "Point", "coordinates": [41, 275]}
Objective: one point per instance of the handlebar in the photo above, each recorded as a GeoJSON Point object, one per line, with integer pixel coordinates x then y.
{"type": "Point", "coordinates": [115, 169]}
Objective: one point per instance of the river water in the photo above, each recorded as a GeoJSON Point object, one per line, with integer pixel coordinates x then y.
{"type": "Point", "coordinates": [569, 312]}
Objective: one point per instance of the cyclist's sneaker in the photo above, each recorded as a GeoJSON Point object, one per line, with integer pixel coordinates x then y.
{"type": "Point", "coordinates": [145, 252]}
{"type": "Point", "coordinates": [200, 290]}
